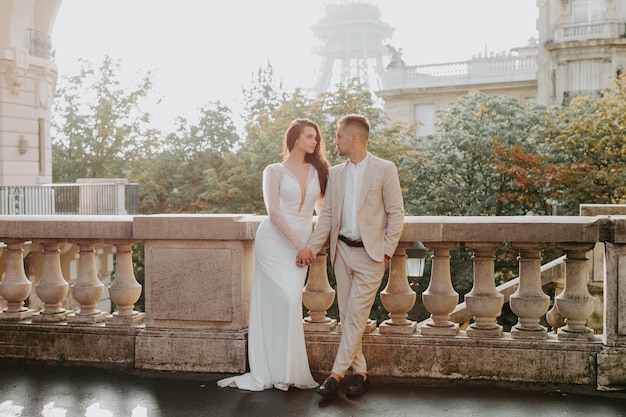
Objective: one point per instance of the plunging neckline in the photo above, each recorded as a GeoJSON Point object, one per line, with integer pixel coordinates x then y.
{"type": "Point", "coordinates": [304, 190]}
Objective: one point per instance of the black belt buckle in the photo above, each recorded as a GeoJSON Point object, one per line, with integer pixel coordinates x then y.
{"type": "Point", "coordinates": [351, 243]}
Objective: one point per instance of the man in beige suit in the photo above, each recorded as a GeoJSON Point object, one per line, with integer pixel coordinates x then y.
{"type": "Point", "coordinates": [363, 215]}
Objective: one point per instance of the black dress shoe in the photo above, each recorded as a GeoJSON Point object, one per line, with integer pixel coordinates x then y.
{"type": "Point", "coordinates": [358, 386]}
{"type": "Point", "coordinates": [328, 389]}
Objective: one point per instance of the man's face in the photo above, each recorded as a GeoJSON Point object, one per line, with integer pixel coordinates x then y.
{"type": "Point", "coordinates": [343, 141]}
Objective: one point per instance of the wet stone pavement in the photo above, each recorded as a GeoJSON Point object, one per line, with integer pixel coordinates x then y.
{"type": "Point", "coordinates": [32, 389]}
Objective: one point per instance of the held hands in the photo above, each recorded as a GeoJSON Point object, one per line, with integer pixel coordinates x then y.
{"type": "Point", "coordinates": [305, 257]}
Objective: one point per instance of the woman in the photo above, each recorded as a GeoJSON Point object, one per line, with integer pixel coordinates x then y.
{"type": "Point", "coordinates": [292, 189]}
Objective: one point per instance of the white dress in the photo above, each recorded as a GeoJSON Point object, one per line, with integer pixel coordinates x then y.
{"type": "Point", "coordinates": [276, 349]}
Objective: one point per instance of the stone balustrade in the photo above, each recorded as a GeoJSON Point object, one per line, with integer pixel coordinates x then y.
{"type": "Point", "coordinates": [476, 71]}
{"type": "Point", "coordinates": [198, 278]}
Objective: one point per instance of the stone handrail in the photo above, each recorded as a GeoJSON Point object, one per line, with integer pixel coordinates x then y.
{"type": "Point", "coordinates": [198, 279]}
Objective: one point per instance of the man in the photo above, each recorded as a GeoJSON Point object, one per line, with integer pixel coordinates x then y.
{"type": "Point", "coordinates": [363, 215]}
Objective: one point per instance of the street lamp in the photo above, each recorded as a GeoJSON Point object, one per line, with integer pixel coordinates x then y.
{"type": "Point", "coordinates": [415, 262]}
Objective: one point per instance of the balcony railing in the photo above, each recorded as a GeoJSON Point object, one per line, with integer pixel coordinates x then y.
{"type": "Point", "coordinates": [39, 44]}
{"type": "Point", "coordinates": [198, 277]}
{"type": "Point", "coordinates": [506, 68]}
{"type": "Point", "coordinates": [588, 31]}
{"type": "Point", "coordinates": [70, 199]}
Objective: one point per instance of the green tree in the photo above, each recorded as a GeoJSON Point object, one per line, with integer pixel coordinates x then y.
{"type": "Point", "coordinates": [587, 140]}
{"type": "Point", "coordinates": [100, 129]}
{"type": "Point", "coordinates": [174, 179]}
{"type": "Point", "coordinates": [578, 159]}
{"type": "Point", "coordinates": [236, 187]}
{"type": "Point", "coordinates": [455, 172]}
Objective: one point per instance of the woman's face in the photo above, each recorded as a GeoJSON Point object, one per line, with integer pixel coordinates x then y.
{"type": "Point", "coordinates": [307, 141]}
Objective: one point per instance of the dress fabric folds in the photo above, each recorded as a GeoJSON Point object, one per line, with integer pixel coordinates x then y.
{"type": "Point", "coordinates": [276, 349]}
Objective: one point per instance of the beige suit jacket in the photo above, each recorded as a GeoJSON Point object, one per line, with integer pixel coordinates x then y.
{"type": "Point", "coordinates": [380, 215]}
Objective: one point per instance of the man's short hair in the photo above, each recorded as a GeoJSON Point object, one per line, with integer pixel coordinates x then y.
{"type": "Point", "coordinates": [355, 120]}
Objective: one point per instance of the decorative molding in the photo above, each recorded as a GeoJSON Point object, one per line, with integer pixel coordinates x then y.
{"type": "Point", "coordinates": [17, 77]}
{"type": "Point", "coordinates": [21, 58]}
{"type": "Point", "coordinates": [44, 92]}
{"type": "Point", "coordinates": [22, 145]}
{"type": "Point", "coordinates": [18, 72]}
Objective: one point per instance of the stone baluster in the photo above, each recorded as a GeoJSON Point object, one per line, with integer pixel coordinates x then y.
{"type": "Point", "coordinates": [52, 287]}
{"type": "Point", "coordinates": [529, 302]}
{"type": "Point", "coordinates": [398, 297]}
{"type": "Point", "coordinates": [125, 290]}
{"type": "Point", "coordinates": [484, 301]}
{"type": "Point", "coordinates": [105, 254]}
{"type": "Point", "coordinates": [440, 298]}
{"type": "Point", "coordinates": [575, 303]}
{"type": "Point", "coordinates": [87, 289]}
{"type": "Point", "coordinates": [553, 317]}
{"type": "Point", "coordinates": [318, 296]}
{"type": "Point", "coordinates": [15, 287]}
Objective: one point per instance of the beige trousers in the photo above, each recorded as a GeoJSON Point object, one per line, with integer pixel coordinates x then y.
{"type": "Point", "coordinates": [358, 279]}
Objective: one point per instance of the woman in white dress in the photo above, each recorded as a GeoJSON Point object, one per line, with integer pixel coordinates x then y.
{"type": "Point", "coordinates": [292, 189]}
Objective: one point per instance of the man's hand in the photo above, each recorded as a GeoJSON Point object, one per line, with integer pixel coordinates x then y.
{"type": "Point", "coordinates": [305, 257]}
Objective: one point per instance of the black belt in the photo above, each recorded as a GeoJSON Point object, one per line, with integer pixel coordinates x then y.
{"type": "Point", "coordinates": [351, 243]}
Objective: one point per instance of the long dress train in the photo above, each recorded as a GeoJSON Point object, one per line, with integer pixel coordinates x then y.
{"type": "Point", "coordinates": [276, 348]}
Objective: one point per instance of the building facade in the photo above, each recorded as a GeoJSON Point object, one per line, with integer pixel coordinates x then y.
{"type": "Point", "coordinates": [28, 77]}
{"type": "Point", "coordinates": [582, 48]}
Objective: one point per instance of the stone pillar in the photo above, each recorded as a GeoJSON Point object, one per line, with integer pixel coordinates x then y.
{"type": "Point", "coordinates": [15, 287]}
{"type": "Point", "coordinates": [484, 301]}
{"type": "Point", "coordinates": [611, 359]}
{"type": "Point", "coordinates": [318, 296]}
{"type": "Point", "coordinates": [87, 289]}
{"type": "Point", "coordinates": [529, 302]}
{"type": "Point", "coordinates": [52, 287]}
{"type": "Point", "coordinates": [125, 290]}
{"type": "Point", "coordinates": [398, 297]}
{"type": "Point", "coordinates": [440, 298]}
{"type": "Point", "coordinates": [575, 303]}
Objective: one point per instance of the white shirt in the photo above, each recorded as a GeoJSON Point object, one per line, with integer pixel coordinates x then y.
{"type": "Point", "coordinates": [354, 180]}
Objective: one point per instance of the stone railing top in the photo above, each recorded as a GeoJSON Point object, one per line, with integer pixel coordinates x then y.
{"type": "Point", "coordinates": [602, 209]}
{"type": "Point", "coordinates": [416, 228]}
{"type": "Point", "coordinates": [540, 229]}
{"type": "Point", "coordinates": [196, 226]}
{"type": "Point", "coordinates": [619, 229]}
{"type": "Point", "coordinates": [505, 229]}
{"type": "Point", "coordinates": [66, 227]}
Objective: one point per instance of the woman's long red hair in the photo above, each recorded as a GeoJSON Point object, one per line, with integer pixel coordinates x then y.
{"type": "Point", "coordinates": [317, 158]}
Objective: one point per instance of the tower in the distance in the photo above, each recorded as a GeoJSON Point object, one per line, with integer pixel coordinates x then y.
{"type": "Point", "coordinates": [353, 44]}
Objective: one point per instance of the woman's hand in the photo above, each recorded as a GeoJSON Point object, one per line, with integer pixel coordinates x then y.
{"type": "Point", "coordinates": [305, 257]}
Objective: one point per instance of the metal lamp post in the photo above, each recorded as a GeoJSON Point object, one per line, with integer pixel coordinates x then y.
{"type": "Point", "coordinates": [415, 262]}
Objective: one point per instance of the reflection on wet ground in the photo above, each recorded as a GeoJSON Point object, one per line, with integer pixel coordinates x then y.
{"type": "Point", "coordinates": [30, 389]}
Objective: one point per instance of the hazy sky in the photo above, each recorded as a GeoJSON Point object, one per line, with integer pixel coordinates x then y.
{"type": "Point", "coordinates": [204, 50]}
